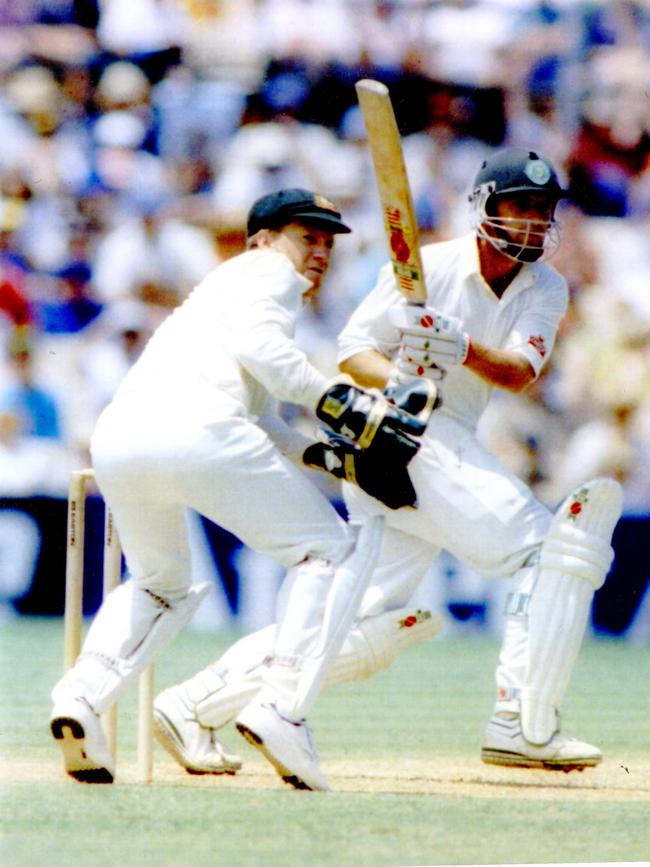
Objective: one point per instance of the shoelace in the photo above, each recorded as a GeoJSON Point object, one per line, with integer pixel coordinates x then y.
{"type": "Point", "coordinates": [306, 729]}
{"type": "Point", "coordinates": [215, 743]}
{"type": "Point", "coordinates": [309, 735]}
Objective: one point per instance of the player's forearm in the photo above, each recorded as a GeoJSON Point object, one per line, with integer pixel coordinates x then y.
{"type": "Point", "coordinates": [271, 356]}
{"type": "Point", "coordinates": [507, 370]}
{"type": "Point", "coordinates": [291, 442]}
{"type": "Point", "coordinates": [369, 369]}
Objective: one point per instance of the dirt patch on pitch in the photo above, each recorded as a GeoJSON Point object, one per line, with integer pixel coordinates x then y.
{"type": "Point", "coordinates": [462, 778]}
{"type": "Point", "coordinates": [444, 776]}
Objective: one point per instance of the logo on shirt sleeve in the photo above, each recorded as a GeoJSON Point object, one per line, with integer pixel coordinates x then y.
{"type": "Point", "coordinates": [538, 344]}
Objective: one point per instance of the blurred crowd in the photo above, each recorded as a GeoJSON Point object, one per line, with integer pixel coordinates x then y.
{"type": "Point", "coordinates": [134, 135]}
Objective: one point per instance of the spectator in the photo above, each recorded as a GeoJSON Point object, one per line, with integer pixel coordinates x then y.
{"type": "Point", "coordinates": [31, 466]}
{"type": "Point", "coordinates": [265, 156]}
{"type": "Point", "coordinates": [147, 32]}
{"type": "Point", "coordinates": [118, 338]}
{"type": "Point", "coordinates": [612, 149]}
{"type": "Point", "coordinates": [151, 248]}
{"type": "Point", "coordinates": [15, 309]}
{"type": "Point", "coordinates": [32, 404]}
{"type": "Point", "coordinates": [134, 133]}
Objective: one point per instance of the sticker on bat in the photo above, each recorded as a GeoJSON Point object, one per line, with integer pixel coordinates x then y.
{"type": "Point", "coordinates": [399, 246]}
{"type": "Point", "coordinates": [405, 271]}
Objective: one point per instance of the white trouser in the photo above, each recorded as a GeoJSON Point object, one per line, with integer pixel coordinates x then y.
{"type": "Point", "coordinates": [375, 639]}
{"type": "Point", "coordinates": [320, 607]}
{"type": "Point", "coordinates": [402, 563]}
{"type": "Point", "coordinates": [231, 473]}
{"type": "Point", "coordinates": [470, 504]}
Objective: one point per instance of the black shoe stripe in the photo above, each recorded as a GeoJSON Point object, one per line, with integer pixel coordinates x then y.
{"type": "Point", "coordinates": [75, 728]}
{"type": "Point", "coordinates": [92, 775]}
{"type": "Point", "coordinates": [250, 736]}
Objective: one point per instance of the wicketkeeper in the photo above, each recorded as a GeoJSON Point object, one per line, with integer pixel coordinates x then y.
{"type": "Point", "coordinates": [193, 426]}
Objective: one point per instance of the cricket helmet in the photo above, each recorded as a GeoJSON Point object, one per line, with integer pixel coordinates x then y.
{"type": "Point", "coordinates": [507, 172]}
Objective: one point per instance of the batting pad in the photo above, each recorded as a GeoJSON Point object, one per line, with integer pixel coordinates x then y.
{"type": "Point", "coordinates": [220, 693]}
{"type": "Point", "coordinates": [374, 643]}
{"type": "Point", "coordinates": [575, 558]}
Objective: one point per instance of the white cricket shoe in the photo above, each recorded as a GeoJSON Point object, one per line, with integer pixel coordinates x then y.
{"type": "Point", "coordinates": [78, 730]}
{"type": "Point", "coordinates": [504, 744]}
{"type": "Point", "coordinates": [286, 744]}
{"type": "Point", "coordinates": [194, 747]}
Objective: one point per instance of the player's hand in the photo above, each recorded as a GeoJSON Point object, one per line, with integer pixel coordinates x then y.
{"type": "Point", "coordinates": [366, 416]}
{"type": "Point", "coordinates": [408, 368]}
{"type": "Point", "coordinates": [379, 472]}
{"type": "Point", "coordinates": [419, 396]}
{"type": "Point", "coordinates": [428, 339]}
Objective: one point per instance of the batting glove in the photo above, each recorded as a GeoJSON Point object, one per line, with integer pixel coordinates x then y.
{"type": "Point", "coordinates": [429, 340]}
{"type": "Point", "coordinates": [407, 368]}
{"type": "Point", "coordinates": [419, 397]}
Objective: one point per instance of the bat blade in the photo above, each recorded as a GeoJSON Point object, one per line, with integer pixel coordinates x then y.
{"type": "Point", "coordinates": [385, 145]}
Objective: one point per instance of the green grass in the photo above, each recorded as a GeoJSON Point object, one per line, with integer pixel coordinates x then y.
{"type": "Point", "coordinates": [428, 710]}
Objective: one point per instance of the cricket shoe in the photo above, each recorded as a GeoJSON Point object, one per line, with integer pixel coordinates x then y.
{"type": "Point", "coordinates": [504, 744]}
{"type": "Point", "coordinates": [286, 744]}
{"type": "Point", "coordinates": [78, 731]}
{"type": "Point", "coordinates": [192, 745]}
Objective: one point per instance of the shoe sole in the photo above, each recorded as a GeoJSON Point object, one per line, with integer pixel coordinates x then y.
{"type": "Point", "coordinates": [166, 734]}
{"type": "Point", "coordinates": [285, 773]}
{"type": "Point", "coordinates": [71, 736]}
{"type": "Point", "coordinates": [517, 760]}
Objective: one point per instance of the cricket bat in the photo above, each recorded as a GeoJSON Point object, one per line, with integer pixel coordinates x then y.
{"type": "Point", "coordinates": [401, 227]}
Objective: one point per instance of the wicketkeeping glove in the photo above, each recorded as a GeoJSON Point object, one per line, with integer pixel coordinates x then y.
{"type": "Point", "coordinates": [379, 467]}
{"type": "Point", "coordinates": [372, 469]}
{"type": "Point", "coordinates": [366, 417]}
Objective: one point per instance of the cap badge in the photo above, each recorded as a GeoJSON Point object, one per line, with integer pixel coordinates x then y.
{"type": "Point", "coordinates": [325, 204]}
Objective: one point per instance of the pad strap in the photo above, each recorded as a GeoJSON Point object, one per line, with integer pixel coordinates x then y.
{"type": "Point", "coordinates": [375, 417]}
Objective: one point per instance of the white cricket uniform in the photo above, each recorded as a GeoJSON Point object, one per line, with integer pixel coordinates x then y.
{"type": "Point", "coordinates": [468, 502]}
{"type": "Point", "coordinates": [183, 429]}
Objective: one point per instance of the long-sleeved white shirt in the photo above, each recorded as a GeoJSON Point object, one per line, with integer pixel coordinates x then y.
{"type": "Point", "coordinates": [524, 319]}
{"type": "Point", "coordinates": [227, 348]}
